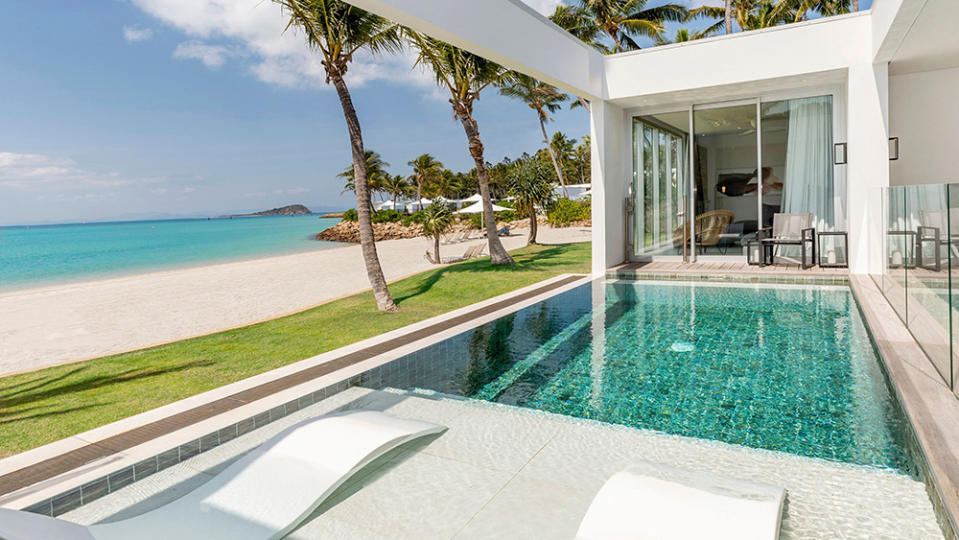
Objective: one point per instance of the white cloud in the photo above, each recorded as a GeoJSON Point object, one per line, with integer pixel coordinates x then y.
{"type": "Point", "coordinates": [255, 30]}
{"type": "Point", "coordinates": [212, 56]}
{"type": "Point", "coordinates": [34, 171]}
{"type": "Point", "coordinates": [134, 34]}
{"type": "Point", "coordinates": [545, 7]}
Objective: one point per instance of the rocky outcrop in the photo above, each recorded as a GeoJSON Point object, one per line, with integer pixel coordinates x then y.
{"type": "Point", "coordinates": [349, 231]}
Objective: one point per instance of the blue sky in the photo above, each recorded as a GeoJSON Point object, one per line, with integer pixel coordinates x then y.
{"type": "Point", "coordinates": [140, 108]}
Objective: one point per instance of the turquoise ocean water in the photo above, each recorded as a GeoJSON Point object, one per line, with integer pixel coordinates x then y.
{"type": "Point", "coordinates": [48, 254]}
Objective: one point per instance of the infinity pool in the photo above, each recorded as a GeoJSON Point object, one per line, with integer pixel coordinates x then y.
{"type": "Point", "coordinates": [787, 368]}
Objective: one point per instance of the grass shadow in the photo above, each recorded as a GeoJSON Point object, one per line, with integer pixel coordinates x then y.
{"type": "Point", "coordinates": [95, 382]}
{"type": "Point", "coordinates": [525, 262]}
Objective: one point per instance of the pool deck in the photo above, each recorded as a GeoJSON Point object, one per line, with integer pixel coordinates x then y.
{"type": "Point", "coordinates": [57, 477]}
{"type": "Point", "coordinates": [927, 401]}
{"type": "Point", "coordinates": [507, 472]}
{"type": "Point", "coordinates": [729, 271]}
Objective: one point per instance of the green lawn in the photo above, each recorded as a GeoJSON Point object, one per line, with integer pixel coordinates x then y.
{"type": "Point", "coordinates": [50, 404]}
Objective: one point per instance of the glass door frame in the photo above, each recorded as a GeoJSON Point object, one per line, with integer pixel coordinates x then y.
{"type": "Point", "coordinates": [836, 91]}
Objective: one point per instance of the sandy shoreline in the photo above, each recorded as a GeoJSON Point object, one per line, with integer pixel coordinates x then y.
{"type": "Point", "coordinates": [58, 324]}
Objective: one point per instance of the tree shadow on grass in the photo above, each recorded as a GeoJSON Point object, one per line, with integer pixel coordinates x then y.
{"type": "Point", "coordinates": [8, 390]}
{"type": "Point", "coordinates": [55, 412]}
{"type": "Point", "coordinates": [546, 258]}
{"type": "Point", "coordinates": [92, 383]}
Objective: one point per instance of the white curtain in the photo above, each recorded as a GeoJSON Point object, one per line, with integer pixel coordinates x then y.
{"type": "Point", "coordinates": [808, 186]}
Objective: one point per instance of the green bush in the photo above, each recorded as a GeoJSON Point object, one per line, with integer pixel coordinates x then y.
{"type": "Point", "coordinates": [387, 216]}
{"type": "Point", "coordinates": [562, 212]}
{"type": "Point", "coordinates": [350, 215]}
{"type": "Point", "coordinates": [415, 217]}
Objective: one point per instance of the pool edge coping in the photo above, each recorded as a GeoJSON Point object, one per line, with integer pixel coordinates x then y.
{"type": "Point", "coordinates": [919, 390]}
{"type": "Point", "coordinates": [99, 469]}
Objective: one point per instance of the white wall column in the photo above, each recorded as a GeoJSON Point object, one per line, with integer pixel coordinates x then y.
{"type": "Point", "coordinates": [609, 158]}
{"type": "Point", "coordinates": [868, 163]}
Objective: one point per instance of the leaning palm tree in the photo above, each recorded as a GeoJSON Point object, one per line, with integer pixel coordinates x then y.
{"type": "Point", "coordinates": [436, 219]}
{"type": "Point", "coordinates": [425, 169]}
{"type": "Point", "coordinates": [465, 75]}
{"type": "Point", "coordinates": [338, 31]}
{"type": "Point", "coordinates": [529, 185]}
{"type": "Point", "coordinates": [542, 98]}
{"type": "Point", "coordinates": [612, 25]}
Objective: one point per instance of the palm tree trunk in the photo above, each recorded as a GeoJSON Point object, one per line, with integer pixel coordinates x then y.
{"type": "Point", "coordinates": [729, 17]}
{"type": "Point", "coordinates": [419, 194]}
{"type": "Point", "coordinates": [584, 103]}
{"type": "Point", "coordinates": [436, 247]}
{"type": "Point", "coordinates": [855, 5]}
{"type": "Point", "coordinates": [497, 252]}
{"type": "Point", "coordinates": [532, 223]}
{"type": "Point", "coordinates": [384, 301]}
{"type": "Point", "coordinates": [552, 156]}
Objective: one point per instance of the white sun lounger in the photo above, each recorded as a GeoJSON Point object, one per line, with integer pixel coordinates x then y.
{"type": "Point", "coordinates": [656, 501]}
{"type": "Point", "coordinates": [265, 494]}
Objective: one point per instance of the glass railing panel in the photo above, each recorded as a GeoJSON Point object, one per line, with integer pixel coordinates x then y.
{"type": "Point", "coordinates": [928, 297]}
{"type": "Point", "coordinates": [953, 284]}
{"type": "Point", "coordinates": [899, 250]}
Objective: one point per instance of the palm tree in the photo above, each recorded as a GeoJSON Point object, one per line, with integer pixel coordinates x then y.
{"type": "Point", "coordinates": [582, 156]}
{"type": "Point", "coordinates": [338, 31]}
{"type": "Point", "coordinates": [529, 184]}
{"type": "Point", "coordinates": [376, 175]}
{"type": "Point", "coordinates": [728, 16]}
{"type": "Point", "coordinates": [425, 169]}
{"type": "Point", "coordinates": [397, 186]}
{"type": "Point", "coordinates": [465, 75]}
{"type": "Point", "coordinates": [542, 98]}
{"type": "Point", "coordinates": [563, 147]}
{"type": "Point", "coordinates": [436, 219]}
{"type": "Point", "coordinates": [611, 25]}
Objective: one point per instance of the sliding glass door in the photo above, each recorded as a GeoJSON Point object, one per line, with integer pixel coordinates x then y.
{"type": "Point", "coordinates": [660, 183]}
{"type": "Point", "coordinates": [707, 178]}
{"type": "Point", "coordinates": [726, 158]}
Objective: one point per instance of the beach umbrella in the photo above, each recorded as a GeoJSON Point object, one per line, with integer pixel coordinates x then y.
{"type": "Point", "coordinates": [421, 204]}
{"type": "Point", "coordinates": [477, 208]}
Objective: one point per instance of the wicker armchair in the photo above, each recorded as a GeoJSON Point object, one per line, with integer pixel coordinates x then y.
{"type": "Point", "coordinates": [709, 227]}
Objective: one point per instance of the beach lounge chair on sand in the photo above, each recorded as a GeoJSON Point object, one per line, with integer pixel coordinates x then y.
{"type": "Point", "coordinates": [264, 494]}
{"type": "Point", "coordinates": [657, 501]}
{"type": "Point", "coordinates": [471, 253]}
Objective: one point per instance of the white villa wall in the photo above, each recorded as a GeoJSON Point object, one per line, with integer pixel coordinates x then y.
{"type": "Point", "coordinates": [609, 133]}
{"type": "Point", "coordinates": [795, 50]}
{"type": "Point", "coordinates": [924, 114]}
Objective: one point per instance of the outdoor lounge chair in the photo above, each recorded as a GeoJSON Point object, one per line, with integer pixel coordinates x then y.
{"type": "Point", "coordinates": [941, 229]}
{"type": "Point", "coordinates": [265, 494]}
{"type": "Point", "coordinates": [472, 252]}
{"type": "Point", "coordinates": [790, 230]}
{"type": "Point", "coordinates": [657, 501]}
{"type": "Point", "coordinates": [709, 228]}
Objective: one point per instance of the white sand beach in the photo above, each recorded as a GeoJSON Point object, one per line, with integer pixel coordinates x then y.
{"type": "Point", "coordinates": [67, 323]}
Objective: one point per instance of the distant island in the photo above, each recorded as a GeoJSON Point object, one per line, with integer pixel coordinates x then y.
{"type": "Point", "coordinates": [291, 210]}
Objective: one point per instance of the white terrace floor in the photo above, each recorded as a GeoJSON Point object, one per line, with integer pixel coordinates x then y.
{"type": "Point", "coordinates": [504, 472]}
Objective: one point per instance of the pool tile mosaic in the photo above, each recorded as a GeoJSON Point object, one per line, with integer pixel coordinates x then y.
{"type": "Point", "coordinates": [780, 367]}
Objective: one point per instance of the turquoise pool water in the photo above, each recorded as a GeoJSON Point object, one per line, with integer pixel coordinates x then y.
{"type": "Point", "coordinates": [783, 368]}
{"type": "Point", "coordinates": [39, 255]}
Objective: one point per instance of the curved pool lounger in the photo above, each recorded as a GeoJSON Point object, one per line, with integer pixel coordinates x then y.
{"type": "Point", "coordinates": [656, 501]}
{"type": "Point", "coordinates": [265, 494]}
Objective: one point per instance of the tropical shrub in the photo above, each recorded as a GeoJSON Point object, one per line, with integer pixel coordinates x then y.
{"type": "Point", "coordinates": [387, 216]}
{"type": "Point", "coordinates": [563, 212]}
{"type": "Point", "coordinates": [350, 215]}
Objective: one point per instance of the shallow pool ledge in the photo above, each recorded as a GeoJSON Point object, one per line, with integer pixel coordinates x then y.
{"type": "Point", "coordinates": [932, 409]}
